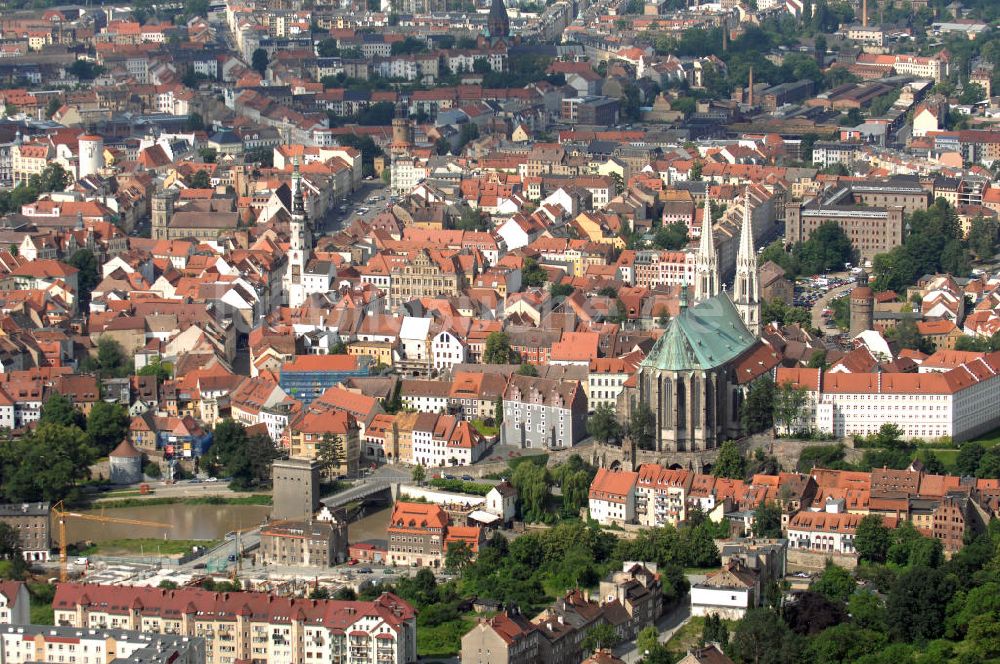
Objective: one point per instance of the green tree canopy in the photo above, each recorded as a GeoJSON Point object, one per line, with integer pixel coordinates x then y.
{"type": "Point", "coordinates": [603, 424]}
{"type": "Point", "coordinates": [107, 425]}
{"type": "Point", "coordinates": [730, 462]}
{"type": "Point", "coordinates": [58, 409]}
{"type": "Point", "coordinates": [498, 350]}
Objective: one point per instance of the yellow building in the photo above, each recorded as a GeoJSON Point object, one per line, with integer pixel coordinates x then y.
{"type": "Point", "coordinates": [381, 352]}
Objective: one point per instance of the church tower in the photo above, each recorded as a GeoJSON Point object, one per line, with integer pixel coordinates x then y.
{"type": "Point", "coordinates": [746, 288]}
{"type": "Point", "coordinates": [498, 23]}
{"type": "Point", "coordinates": [299, 245]}
{"type": "Point", "coordinates": [706, 266]}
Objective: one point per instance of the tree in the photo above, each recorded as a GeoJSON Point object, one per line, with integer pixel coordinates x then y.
{"type": "Point", "coordinates": [85, 70]}
{"type": "Point", "coordinates": [530, 481]}
{"type": "Point", "coordinates": [789, 400]}
{"type": "Point", "coordinates": [600, 636]}
{"type": "Point", "coordinates": [194, 8]}
{"type": "Point", "coordinates": [88, 277]}
{"type": "Point", "coordinates": [971, 94]}
{"type": "Point", "coordinates": [575, 489]}
{"type": "Point", "coordinates": [527, 370]}
{"type": "Point", "coordinates": [756, 411]}
{"type": "Point", "coordinates": [532, 275]}
{"type": "Point", "coordinates": [418, 475]}
{"type": "Point", "coordinates": [642, 426]}
{"type": "Point", "coordinates": [767, 521]}
{"type": "Point", "coordinates": [327, 48]}
{"type": "Point", "coordinates": [471, 219]}
{"type": "Point", "coordinates": [700, 549]}
{"type": "Point", "coordinates": [867, 610]}
{"type": "Point", "coordinates": [872, 539]}
{"type": "Point", "coordinates": [989, 464]}
{"type": "Point", "coordinates": [730, 462]}
{"type": "Point", "coordinates": [908, 336]}
{"type": "Point", "coordinates": [812, 612]}
{"type": "Point", "coordinates": [330, 452]}
{"type": "Point", "coordinates": [201, 180]}
{"type": "Point", "coordinates": [58, 409]}
{"type": "Point", "coordinates": [55, 103]}
{"type": "Point", "coordinates": [468, 133]}
{"type": "Point", "coordinates": [10, 550]}
{"type": "Point", "coordinates": [603, 424]}
{"type": "Point", "coordinates": [458, 557]}
{"type": "Point", "coordinates": [835, 583]}
{"type": "Point", "coordinates": [252, 468]}
{"type": "Point", "coordinates": [46, 464]}
{"type": "Point", "coordinates": [109, 361]}
{"type": "Point", "coordinates": [761, 637]}
{"type": "Point", "coordinates": [647, 639]}
{"type": "Point", "coordinates": [715, 631]}
{"type": "Point", "coordinates": [776, 311]}
{"type": "Point", "coordinates": [844, 643]}
{"type": "Point", "coordinates": [259, 61]}
{"type": "Point", "coordinates": [155, 368]}
{"type": "Point", "coordinates": [107, 425]}
{"type": "Point", "coordinates": [827, 248]}
{"type": "Point", "coordinates": [671, 237]}
{"type": "Point", "coordinates": [561, 290]}
{"type": "Point", "coordinates": [498, 350]}
{"type": "Point", "coordinates": [916, 607]}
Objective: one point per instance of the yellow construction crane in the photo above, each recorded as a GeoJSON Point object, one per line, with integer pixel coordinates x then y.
{"type": "Point", "coordinates": [59, 509]}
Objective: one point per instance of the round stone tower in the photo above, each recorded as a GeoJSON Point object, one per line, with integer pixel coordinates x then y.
{"type": "Point", "coordinates": [862, 306]}
{"type": "Point", "coordinates": [125, 463]}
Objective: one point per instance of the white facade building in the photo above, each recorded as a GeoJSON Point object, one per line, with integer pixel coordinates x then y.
{"type": "Point", "coordinates": [447, 350]}
{"type": "Point", "coordinates": [612, 497]}
{"type": "Point", "coordinates": [960, 403]}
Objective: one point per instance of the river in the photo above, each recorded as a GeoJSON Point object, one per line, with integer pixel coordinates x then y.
{"type": "Point", "coordinates": [371, 527]}
{"type": "Point", "coordinates": [200, 522]}
{"type": "Point", "coordinates": [190, 522]}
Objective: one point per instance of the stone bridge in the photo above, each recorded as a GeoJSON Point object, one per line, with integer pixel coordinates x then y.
{"type": "Point", "coordinates": [361, 490]}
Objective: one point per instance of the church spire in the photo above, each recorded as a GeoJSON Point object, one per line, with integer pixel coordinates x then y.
{"type": "Point", "coordinates": [298, 206]}
{"type": "Point", "coordinates": [299, 243]}
{"type": "Point", "coordinates": [706, 268]}
{"type": "Point", "coordinates": [746, 288]}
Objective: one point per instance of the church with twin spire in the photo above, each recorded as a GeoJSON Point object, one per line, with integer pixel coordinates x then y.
{"type": "Point", "coordinates": [695, 376]}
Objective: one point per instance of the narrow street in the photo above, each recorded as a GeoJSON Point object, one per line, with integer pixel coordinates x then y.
{"type": "Point", "coordinates": [667, 625]}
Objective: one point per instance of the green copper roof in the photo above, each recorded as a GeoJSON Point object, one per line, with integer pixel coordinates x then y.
{"type": "Point", "coordinates": [705, 336]}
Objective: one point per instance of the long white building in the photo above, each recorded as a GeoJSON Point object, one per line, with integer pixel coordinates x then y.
{"type": "Point", "coordinates": [960, 403]}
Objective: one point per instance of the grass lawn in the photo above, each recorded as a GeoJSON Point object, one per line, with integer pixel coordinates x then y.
{"type": "Point", "coordinates": [41, 603]}
{"type": "Point", "coordinates": [686, 638]}
{"type": "Point", "coordinates": [444, 640]}
{"type": "Point", "coordinates": [947, 457]}
{"type": "Point", "coordinates": [689, 637]}
{"type": "Point", "coordinates": [43, 615]}
{"type": "Point", "coordinates": [482, 428]}
{"type": "Point", "coordinates": [149, 546]}
{"type": "Point", "coordinates": [991, 439]}
{"type": "Point", "coordinates": [250, 499]}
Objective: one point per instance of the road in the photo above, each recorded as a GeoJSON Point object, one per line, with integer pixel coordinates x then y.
{"type": "Point", "coordinates": [336, 218]}
{"type": "Point", "coordinates": [668, 626]}
{"type": "Point", "coordinates": [824, 302]}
